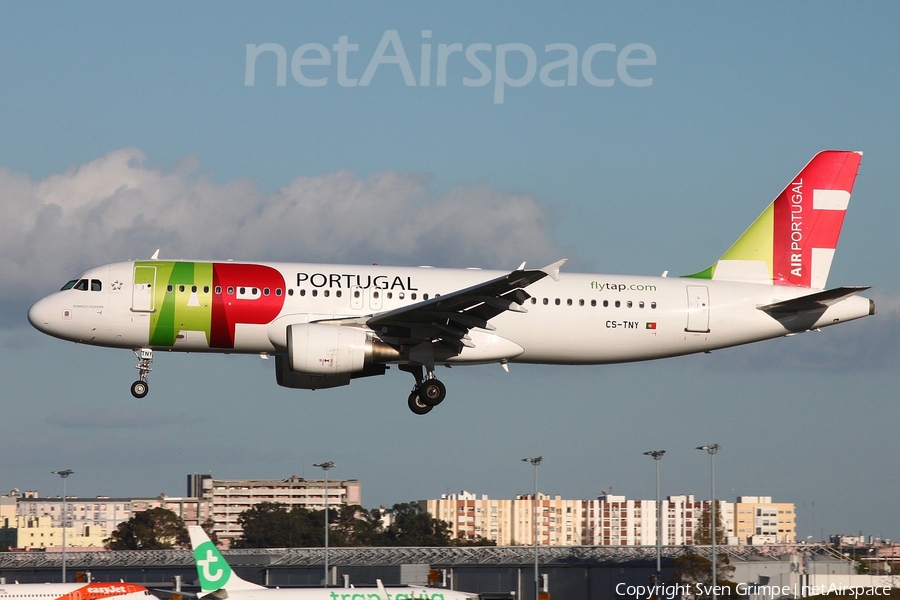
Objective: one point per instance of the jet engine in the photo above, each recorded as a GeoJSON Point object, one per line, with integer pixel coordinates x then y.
{"type": "Point", "coordinates": [322, 356]}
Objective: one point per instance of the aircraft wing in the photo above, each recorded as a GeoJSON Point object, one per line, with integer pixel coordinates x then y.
{"type": "Point", "coordinates": [812, 302]}
{"type": "Point", "coordinates": [449, 317]}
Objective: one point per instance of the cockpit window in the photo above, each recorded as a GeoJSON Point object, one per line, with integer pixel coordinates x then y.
{"type": "Point", "coordinates": [82, 285]}
{"type": "Point", "coordinates": [96, 286]}
{"type": "Point", "coordinates": [69, 285]}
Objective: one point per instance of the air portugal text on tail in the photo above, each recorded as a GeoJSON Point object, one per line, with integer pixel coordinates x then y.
{"type": "Point", "coordinates": [328, 324]}
{"type": "Point", "coordinates": [794, 239]}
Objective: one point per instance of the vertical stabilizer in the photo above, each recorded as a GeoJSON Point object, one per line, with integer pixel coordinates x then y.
{"type": "Point", "coordinates": [213, 571]}
{"type": "Point", "coordinates": [793, 241]}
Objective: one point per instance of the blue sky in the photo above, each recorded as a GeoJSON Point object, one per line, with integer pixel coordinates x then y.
{"type": "Point", "coordinates": [128, 127]}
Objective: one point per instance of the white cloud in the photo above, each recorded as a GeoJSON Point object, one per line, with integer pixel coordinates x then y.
{"type": "Point", "coordinates": [119, 207]}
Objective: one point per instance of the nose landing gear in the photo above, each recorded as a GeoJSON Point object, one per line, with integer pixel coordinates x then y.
{"type": "Point", "coordinates": [140, 387]}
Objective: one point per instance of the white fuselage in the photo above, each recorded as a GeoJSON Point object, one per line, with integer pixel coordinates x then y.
{"type": "Point", "coordinates": [579, 319]}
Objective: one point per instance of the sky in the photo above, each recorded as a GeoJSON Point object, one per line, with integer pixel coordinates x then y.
{"type": "Point", "coordinates": [127, 127]}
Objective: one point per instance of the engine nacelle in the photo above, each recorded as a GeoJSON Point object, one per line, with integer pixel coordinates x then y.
{"type": "Point", "coordinates": [326, 349]}
{"type": "Point", "coordinates": [322, 356]}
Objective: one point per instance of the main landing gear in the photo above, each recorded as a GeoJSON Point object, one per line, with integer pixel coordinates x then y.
{"type": "Point", "coordinates": [428, 391]}
{"type": "Point", "coordinates": [140, 387]}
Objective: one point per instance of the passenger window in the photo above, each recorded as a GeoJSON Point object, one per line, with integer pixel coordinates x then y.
{"type": "Point", "coordinates": [242, 291]}
{"type": "Point", "coordinates": [256, 291]}
{"type": "Point", "coordinates": [653, 305]}
{"type": "Point", "coordinates": [290, 292]}
{"type": "Point", "coordinates": [338, 293]}
{"type": "Point", "coordinates": [315, 293]}
{"type": "Point", "coordinates": [375, 295]}
{"type": "Point", "coordinates": [569, 302]}
{"type": "Point", "coordinates": [230, 290]}
{"type": "Point", "coordinates": [356, 293]}
{"type": "Point", "coordinates": [181, 288]}
{"type": "Point", "coordinates": [218, 289]}
{"type": "Point", "coordinates": [401, 295]}
{"type": "Point", "coordinates": [424, 296]}
{"type": "Point", "coordinates": [606, 304]}
{"type": "Point", "coordinates": [557, 301]}
{"type": "Point", "coordinates": [641, 304]}
{"type": "Point", "coordinates": [618, 304]}
{"type": "Point", "coordinates": [96, 285]}
{"type": "Point", "coordinates": [593, 303]}
{"type": "Point", "coordinates": [302, 292]}
{"type": "Point", "coordinates": [278, 291]}
{"type": "Point", "coordinates": [265, 291]}
{"type": "Point", "coordinates": [533, 300]}
{"type": "Point", "coordinates": [629, 304]}
{"type": "Point", "coordinates": [326, 293]}
{"type": "Point", "coordinates": [193, 289]}
{"type": "Point", "coordinates": [170, 288]}
{"type": "Point", "coordinates": [546, 302]}
{"type": "Point", "coordinates": [413, 296]}
{"type": "Point", "coordinates": [205, 289]}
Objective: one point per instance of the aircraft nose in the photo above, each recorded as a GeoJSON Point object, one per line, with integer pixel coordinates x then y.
{"type": "Point", "coordinates": [39, 315]}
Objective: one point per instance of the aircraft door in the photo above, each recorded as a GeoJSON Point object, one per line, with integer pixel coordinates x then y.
{"type": "Point", "coordinates": [698, 309]}
{"type": "Point", "coordinates": [143, 289]}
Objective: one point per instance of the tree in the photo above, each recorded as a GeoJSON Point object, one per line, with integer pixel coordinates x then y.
{"type": "Point", "coordinates": [356, 526]}
{"type": "Point", "coordinates": [462, 540]}
{"type": "Point", "coordinates": [272, 525]}
{"type": "Point", "coordinates": [412, 526]}
{"type": "Point", "coordinates": [154, 529]}
{"type": "Point", "coordinates": [691, 568]}
{"type": "Point", "coordinates": [695, 573]}
{"type": "Point", "coordinates": [702, 535]}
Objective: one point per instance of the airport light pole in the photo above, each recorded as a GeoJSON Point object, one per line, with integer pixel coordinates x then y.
{"type": "Point", "coordinates": [325, 466]}
{"type": "Point", "coordinates": [535, 461]}
{"type": "Point", "coordinates": [65, 473]}
{"type": "Point", "coordinates": [657, 456]}
{"type": "Point", "coordinates": [711, 449]}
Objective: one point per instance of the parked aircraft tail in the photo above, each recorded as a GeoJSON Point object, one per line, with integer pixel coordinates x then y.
{"type": "Point", "coordinates": [792, 242]}
{"type": "Point", "coordinates": [213, 571]}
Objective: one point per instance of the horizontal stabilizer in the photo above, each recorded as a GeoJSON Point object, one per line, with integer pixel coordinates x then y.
{"type": "Point", "coordinates": [812, 302]}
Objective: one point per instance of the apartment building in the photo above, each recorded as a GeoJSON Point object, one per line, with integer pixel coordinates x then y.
{"type": "Point", "coordinates": [760, 521]}
{"type": "Point", "coordinates": [228, 498]}
{"type": "Point", "coordinates": [608, 520]}
{"type": "Point", "coordinates": [509, 522]}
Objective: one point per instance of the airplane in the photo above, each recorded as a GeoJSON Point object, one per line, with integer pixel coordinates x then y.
{"type": "Point", "coordinates": [75, 591]}
{"type": "Point", "coordinates": [328, 324]}
{"type": "Point", "coordinates": [218, 582]}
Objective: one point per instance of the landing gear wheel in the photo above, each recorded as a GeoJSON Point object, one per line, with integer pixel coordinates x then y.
{"type": "Point", "coordinates": [417, 406]}
{"type": "Point", "coordinates": [432, 392]}
{"type": "Point", "coordinates": [139, 389]}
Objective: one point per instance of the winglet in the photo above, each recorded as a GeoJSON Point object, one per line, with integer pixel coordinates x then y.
{"type": "Point", "coordinates": [553, 270]}
{"type": "Point", "coordinates": [521, 267]}
{"type": "Point", "coordinates": [155, 255]}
